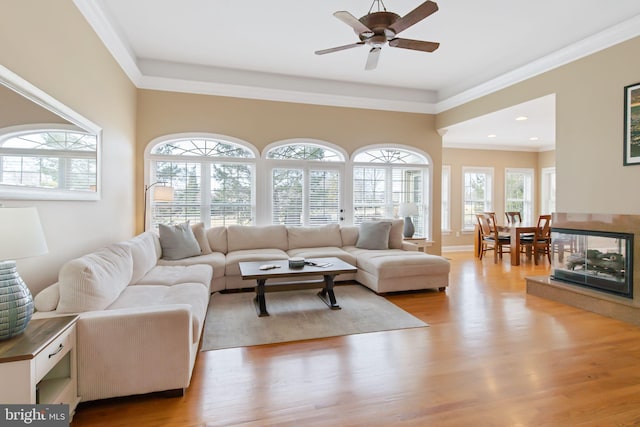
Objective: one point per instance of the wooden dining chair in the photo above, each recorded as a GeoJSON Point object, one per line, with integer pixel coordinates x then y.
{"type": "Point", "coordinates": [513, 217]}
{"type": "Point", "coordinates": [540, 243]}
{"type": "Point", "coordinates": [490, 239]}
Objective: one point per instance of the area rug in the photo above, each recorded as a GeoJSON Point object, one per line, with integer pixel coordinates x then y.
{"type": "Point", "coordinates": [296, 315]}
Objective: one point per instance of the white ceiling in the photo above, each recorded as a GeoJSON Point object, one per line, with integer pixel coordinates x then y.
{"type": "Point", "coordinates": [265, 50]}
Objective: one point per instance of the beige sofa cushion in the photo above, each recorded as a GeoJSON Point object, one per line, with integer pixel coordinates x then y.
{"type": "Point", "coordinates": [395, 263]}
{"type": "Point", "coordinates": [311, 237]}
{"type": "Point", "coordinates": [217, 239]}
{"type": "Point", "coordinates": [201, 237]}
{"type": "Point", "coordinates": [349, 235]}
{"type": "Point", "coordinates": [171, 275]}
{"type": "Point", "coordinates": [145, 251]}
{"type": "Point", "coordinates": [193, 294]}
{"type": "Point", "coordinates": [243, 237]}
{"type": "Point", "coordinates": [94, 281]}
{"type": "Point", "coordinates": [396, 234]}
{"type": "Point", "coordinates": [233, 258]}
{"type": "Point", "coordinates": [217, 260]}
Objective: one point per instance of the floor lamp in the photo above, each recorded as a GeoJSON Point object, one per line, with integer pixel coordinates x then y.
{"type": "Point", "coordinates": [21, 236]}
{"type": "Point", "coordinates": [160, 194]}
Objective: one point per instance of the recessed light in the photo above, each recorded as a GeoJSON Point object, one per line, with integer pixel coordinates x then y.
{"type": "Point", "coordinates": [521, 118]}
{"type": "Point", "coordinates": [493, 135]}
{"type": "Point", "coordinates": [533, 138]}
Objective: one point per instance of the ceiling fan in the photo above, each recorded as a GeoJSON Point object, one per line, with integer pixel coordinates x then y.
{"type": "Point", "coordinates": [380, 27]}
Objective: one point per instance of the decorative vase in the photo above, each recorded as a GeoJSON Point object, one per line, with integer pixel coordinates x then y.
{"type": "Point", "coordinates": [409, 229]}
{"type": "Point", "coordinates": [16, 302]}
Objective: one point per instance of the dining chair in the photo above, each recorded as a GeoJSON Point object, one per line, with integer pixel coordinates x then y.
{"type": "Point", "coordinates": [540, 243]}
{"type": "Point", "coordinates": [513, 217]}
{"type": "Point", "coordinates": [490, 239]}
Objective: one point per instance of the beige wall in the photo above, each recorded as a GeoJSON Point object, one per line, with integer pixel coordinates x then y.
{"type": "Point", "coordinates": [263, 122]}
{"type": "Point", "coordinates": [50, 44]}
{"type": "Point", "coordinates": [499, 161]}
{"type": "Point", "coordinates": [589, 127]}
{"type": "Point", "coordinates": [16, 110]}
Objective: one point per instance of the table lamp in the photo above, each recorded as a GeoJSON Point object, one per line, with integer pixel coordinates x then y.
{"type": "Point", "coordinates": [21, 236]}
{"type": "Point", "coordinates": [406, 211]}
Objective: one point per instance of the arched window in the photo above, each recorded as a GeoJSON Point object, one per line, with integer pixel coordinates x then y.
{"type": "Point", "coordinates": [385, 177]}
{"type": "Point", "coordinates": [49, 158]}
{"type": "Point", "coordinates": [306, 182]}
{"type": "Point", "coordinates": [213, 179]}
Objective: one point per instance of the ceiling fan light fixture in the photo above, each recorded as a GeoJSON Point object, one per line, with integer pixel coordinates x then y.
{"type": "Point", "coordinates": [380, 27]}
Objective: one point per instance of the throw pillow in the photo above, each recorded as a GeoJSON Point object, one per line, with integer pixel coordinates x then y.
{"type": "Point", "coordinates": [178, 241]}
{"type": "Point", "coordinates": [201, 236]}
{"type": "Point", "coordinates": [374, 235]}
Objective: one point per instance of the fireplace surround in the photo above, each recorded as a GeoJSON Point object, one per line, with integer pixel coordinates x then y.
{"type": "Point", "coordinates": [594, 260]}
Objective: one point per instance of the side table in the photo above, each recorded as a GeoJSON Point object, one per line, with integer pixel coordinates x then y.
{"type": "Point", "coordinates": [39, 365]}
{"type": "Point", "coordinates": [421, 242]}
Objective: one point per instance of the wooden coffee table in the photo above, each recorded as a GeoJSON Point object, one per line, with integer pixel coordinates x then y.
{"type": "Point", "coordinates": [334, 266]}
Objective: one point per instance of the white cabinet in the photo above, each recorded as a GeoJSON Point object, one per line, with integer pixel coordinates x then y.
{"type": "Point", "coordinates": [39, 366]}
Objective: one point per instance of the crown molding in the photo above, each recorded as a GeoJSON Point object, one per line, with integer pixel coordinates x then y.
{"type": "Point", "coordinates": [592, 44]}
{"type": "Point", "coordinates": [179, 77]}
{"type": "Point", "coordinates": [333, 92]}
{"type": "Point", "coordinates": [103, 25]}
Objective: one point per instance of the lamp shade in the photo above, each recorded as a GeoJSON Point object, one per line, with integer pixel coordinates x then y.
{"type": "Point", "coordinates": [21, 234]}
{"type": "Point", "coordinates": [163, 194]}
{"type": "Point", "coordinates": [407, 209]}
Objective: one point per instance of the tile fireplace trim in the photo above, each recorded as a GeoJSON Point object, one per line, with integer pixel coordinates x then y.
{"type": "Point", "coordinates": [620, 308]}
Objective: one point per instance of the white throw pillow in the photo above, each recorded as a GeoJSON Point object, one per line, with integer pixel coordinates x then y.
{"type": "Point", "coordinates": [374, 235]}
{"type": "Point", "coordinates": [47, 299]}
{"type": "Point", "coordinates": [178, 241]}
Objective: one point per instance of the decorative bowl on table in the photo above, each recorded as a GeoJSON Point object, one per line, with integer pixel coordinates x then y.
{"type": "Point", "coordinates": [296, 262]}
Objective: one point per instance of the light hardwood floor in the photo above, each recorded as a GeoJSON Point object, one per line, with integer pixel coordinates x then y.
{"type": "Point", "coordinates": [492, 356]}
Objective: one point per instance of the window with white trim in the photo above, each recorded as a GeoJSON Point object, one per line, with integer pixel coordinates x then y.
{"type": "Point", "coordinates": [476, 194]}
{"type": "Point", "coordinates": [548, 191]}
{"type": "Point", "coordinates": [518, 187]}
{"type": "Point", "coordinates": [306, 184]}
{"type": "Point", "coordinates": [213, 181]}
{"type": "Point", "coordinates": [49, 158]}
{"type": "Point", "coordinates": [446, 197]}
{"type": "Point", "coordinates": [383, 178]}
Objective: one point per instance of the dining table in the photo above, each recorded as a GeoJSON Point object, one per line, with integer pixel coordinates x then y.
{"type": "Point", "coordinates": [515, 230]}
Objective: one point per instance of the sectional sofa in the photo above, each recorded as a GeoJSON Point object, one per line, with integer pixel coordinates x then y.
{"type": "Point", "coordinates": [141, 314]}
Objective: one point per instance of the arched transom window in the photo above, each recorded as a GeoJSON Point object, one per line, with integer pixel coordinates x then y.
{"type": "Point", "coordinates": [384, 178]}
{"type": "Point", "coordinates": [306, 183]}
{"type": "Point", "coordinates": [213, 181]}
{"type": "Point", "coordinates": [49, 158]}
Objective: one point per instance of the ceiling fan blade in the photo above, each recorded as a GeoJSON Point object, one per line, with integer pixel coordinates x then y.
{"type": "Point", "coordinates": [339, 48]}
{"type": "Point", "coordinates": [414, 44]}
{"type": "Point", "coordinates": [415, 16]}
{"type": "Point", "coordinates": [353, 22]}
{"type": "Point", "coordinates": [372, 59]}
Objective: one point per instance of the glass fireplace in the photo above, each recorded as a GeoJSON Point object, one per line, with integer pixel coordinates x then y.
{"type": "Point", "coordinates": [593, 259]}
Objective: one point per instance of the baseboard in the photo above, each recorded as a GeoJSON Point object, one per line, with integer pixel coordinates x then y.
{"type": "Point", "coordinates": [462, 248]}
